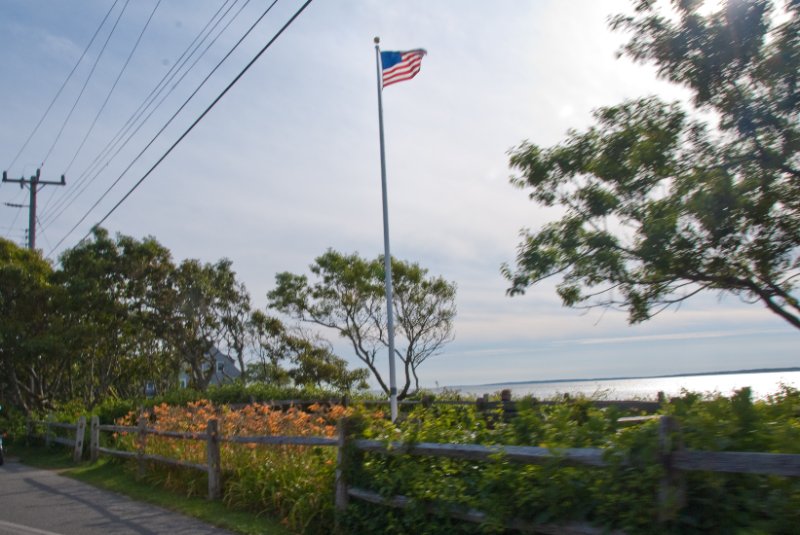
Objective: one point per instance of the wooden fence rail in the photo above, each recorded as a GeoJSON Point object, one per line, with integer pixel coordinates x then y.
{"type": "Point", "coordinates": [773, 464]}
{"type": "Point", "coordinates": [476, 452]}
{"type": "Point", "coordinates": [76, 442]}
{"type": "Point", "coordinates": [211, 436]}
{"type": "Point", "coordinates": [671, 492]}
{"type": "Point", "coordinates": [282, 440]}
{"type": "Point", "coordinates": [212, 466]}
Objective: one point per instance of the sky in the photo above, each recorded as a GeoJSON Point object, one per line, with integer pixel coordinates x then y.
{"type": "Point", "coordinates": [287, 165]}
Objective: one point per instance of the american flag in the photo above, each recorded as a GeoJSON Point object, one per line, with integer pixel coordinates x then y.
{"type": "Point", "coordinates": [401, 66]}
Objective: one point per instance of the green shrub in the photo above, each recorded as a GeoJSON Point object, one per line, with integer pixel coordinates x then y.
{"type": "Point", "coordinates": [13, 423]}
{"type": "Point", "coordinates": [623, 495]}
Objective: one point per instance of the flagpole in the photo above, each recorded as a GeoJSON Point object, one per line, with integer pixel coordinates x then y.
{"type": "Point", "coordinates": [387, 257]}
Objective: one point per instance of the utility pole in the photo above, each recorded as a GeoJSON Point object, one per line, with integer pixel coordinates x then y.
{"type": "Point", "coordinates": [34, 183]}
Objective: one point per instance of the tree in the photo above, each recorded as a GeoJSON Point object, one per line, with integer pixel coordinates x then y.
{"type": "Point", "coordinates": [209, 309]}
{"type": "Point", "coordinates": [236, 316]}
{"type": "Point", "coordinates": [348, 297]}
{"type": "Point", "coordinates": [27, 345]}
{"type": "Point", "coordinates": [661, 204]}
{"type": "Point", "coordinates": [269, 348]}
{"type": "Point", "coordinates": [115, 306]}
{"type": "Point", "coordinates": [283, 356]}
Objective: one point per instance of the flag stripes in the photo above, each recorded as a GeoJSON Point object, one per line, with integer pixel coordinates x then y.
{"type": "Point", "coordinates": [401, 66]}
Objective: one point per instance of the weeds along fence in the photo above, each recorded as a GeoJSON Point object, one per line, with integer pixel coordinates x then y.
{"type": "Point", "coordinates": [675, 460]}
{"type": "Point", "coordinates": [212, 467]}
{"type": "Point", "coordinates": [671, 493]}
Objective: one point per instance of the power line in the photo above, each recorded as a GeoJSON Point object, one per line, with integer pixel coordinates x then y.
{"type": "Point", "coordinates": [85, 83]}
{"type": "Point", "coordinates": [200, 118]}
{"type": "Point", "coordinates": [113, 86]}
{"type": "Point", "coordinates": [68, 199]}
{"type": "Point", "coordinates": [42, 233]}
{"type": "Point", "coordinates": [14, 200]}
{"type": "Point", "coordinates": [186, 132]}
{"type": "Point", "coordinates": [160, 86]}
{"type": "Point", "coordinates": [69, 76]}
{"type": "Point", "coordinates": [174, 115]}
{"type": "Point", "coordinates": [11, 228]}
{"type": "Point", "coordinates": [102, 107]}
{"type": "Point", "coordinates": [73, 194]}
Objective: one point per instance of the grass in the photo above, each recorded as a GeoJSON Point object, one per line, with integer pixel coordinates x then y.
{"type": "Point", "coordinates": [111, 475]}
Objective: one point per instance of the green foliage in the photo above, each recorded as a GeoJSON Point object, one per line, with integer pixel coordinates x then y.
{"type": "Point", "coordinates": [211, 310]}
{"type": "Point", "coordinates": [282, 357]}
{"type": "Point", "coordinates": [26, 338]}
{"type": "Point", "coordinates": [660, 204]}
{"type": "Point", "coordinates": [118, 314]}
{"type": "Point", "coordinates": [13, 424]}
{"type": "Point", "coordinates": [110, 410]}
{"type": "Point", "coordinates": [727, 502]}
{"type": "Point", "coordinates": [348, 297]}
{"type": "Point", "coordinates": [623, 495]}
{"type": "Point", "coordinates": [115, 306]}
{"type": "Point", "coordinates": [503, 489]}
{"type": "Point", "coordinates": [236, 393]}
{"type": "Point", "coordinates": [296, 486]}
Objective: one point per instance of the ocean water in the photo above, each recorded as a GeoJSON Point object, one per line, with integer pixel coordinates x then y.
{"type": "Point", "coordinates": [762, 384]}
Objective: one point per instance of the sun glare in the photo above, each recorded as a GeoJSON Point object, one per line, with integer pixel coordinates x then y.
{"type": "Point", "coordinates": [711, 6]}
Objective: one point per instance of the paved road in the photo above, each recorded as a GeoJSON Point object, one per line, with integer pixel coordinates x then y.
{"type": "Point", "coordinates": [41, 502]}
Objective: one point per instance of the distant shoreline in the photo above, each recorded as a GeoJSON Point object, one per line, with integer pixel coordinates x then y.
{"type": "Point", "coordinates": [584, 380]}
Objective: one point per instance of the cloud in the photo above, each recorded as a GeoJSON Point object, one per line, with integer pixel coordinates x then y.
{"type": "Point", "coordinates": [672, 336]}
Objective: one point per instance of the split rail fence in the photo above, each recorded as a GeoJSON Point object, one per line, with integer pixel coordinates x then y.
{"type": "Point", "coordinates": [673, 458]}
{"type": "Point", "coordinates": [46, 430]}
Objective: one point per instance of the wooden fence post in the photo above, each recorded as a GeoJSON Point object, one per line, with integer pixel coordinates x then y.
{"type": "Point", "coordinates": [342, 498]}
{"type": "Point", "coordinates": [509, 407]}
{"type": "Point", "coordinates": [94, 439]}
{"type": "Point", "coordinates": [141, 441]}
{"type": "Point", "coordinates": [213, 459]}
{"type": "Point", "coordinates": [671, 495]}
{"type": "Point", "coordinates": [80, 431]}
